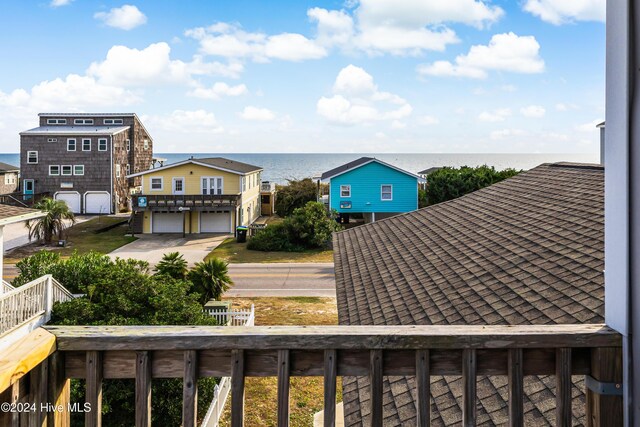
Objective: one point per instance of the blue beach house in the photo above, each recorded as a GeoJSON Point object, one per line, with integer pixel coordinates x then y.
{"type": "Point", "coordinates": [373, 188]}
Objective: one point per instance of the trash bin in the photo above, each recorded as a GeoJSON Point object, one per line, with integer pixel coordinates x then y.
{"type": "Point", "coordinates": [241, 234]}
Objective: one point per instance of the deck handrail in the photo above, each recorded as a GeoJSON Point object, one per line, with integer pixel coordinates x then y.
{"type": "Point", "coordinates": [6, 286]}
{"type": "Point", "coordinates": [97, 353]}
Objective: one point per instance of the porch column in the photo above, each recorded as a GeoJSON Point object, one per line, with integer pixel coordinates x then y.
{"type": "Point", "coordinates": [622, 193]}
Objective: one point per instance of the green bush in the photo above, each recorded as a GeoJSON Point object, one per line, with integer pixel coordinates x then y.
{"type": "Point", "coordinates": [308, 227]}
{"type": "Point", "coordinates": [296, 194]}
{"type": "Point", "coordinates": [450, 183]}
{"type": "Point", "coordinates": [123, 292]}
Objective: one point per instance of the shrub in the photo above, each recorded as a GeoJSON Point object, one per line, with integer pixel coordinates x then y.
{"type": "Point", "coordinates": [210, 279]}
{"type": "Point", "coordinates": [173, 265]}
{"type": "Point", "coordinates": [450, 183]}
{"type": "Point", "coordinates": [296, 194]}
{"type": "Point", "coordinates": [309, 227]}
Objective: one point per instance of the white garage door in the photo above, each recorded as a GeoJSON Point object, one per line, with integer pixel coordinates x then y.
{"type": "Point", "coordinates": [167, 222]}
{"type": "Point", "coordinates": [215, 222]}
{"type": "Point", "coordinates": [71, 198]}
{"type": "Point", "coordinates": [97, 202]}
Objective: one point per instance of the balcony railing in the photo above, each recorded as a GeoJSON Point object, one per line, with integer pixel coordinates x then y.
{"type": "Point", "coordinates": [97, 353]}
{"type": "Point", "coordinates": [145, 201]}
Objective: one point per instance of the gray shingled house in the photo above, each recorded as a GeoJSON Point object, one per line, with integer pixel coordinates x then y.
{"type": "Point", "coordinates": [528, 250]}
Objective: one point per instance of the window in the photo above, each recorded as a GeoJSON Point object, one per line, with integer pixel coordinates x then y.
{"type": "Point", "coordinates": [128, 168]}
{"type": "Point", "coordinates": [32, 157]}
{"type": "Point", "coordinates": [386, 192]}
{"type": "Point", "coordinates": [146, 143]}
{"type": "Point", "coordinates": [66, 170]}
{"type": "Point", "coordinates": [113, 121]}
{"type": "Point", "coordinates": [128, 145]}
{"type": "Point", "coordinates": [71, 144]}
{"type": "Point", "coordinates": [56, 121]}
{"type": "Point", "coordinates": [244, 183]}
{"type": "Point", "coordinates": [52, 140]}
{"type": "Point", "coordinates": [54, 170]}
{"type": "Point", "coordinates": [86, 145]}
{"type": "Point", "coordinates": [78, 169]}
{"type": "Point", "coordinates": [156, 184]}
{"type": "Point", "coordinates": [117, 171]}
{"type": "Point", "coordinates": [345, 191]}
{"type": "Point", "coordinates": [83, 121]}
{"type": "Point", "coordinates": [102, 145]}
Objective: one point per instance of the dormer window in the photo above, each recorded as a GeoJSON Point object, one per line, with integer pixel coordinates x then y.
{"type": "Point", "coordinates": [83, 121]}
{"type": "Point", "coordinates": [56, 121]}
{"type": "Point", "coordinates": [113, 121]}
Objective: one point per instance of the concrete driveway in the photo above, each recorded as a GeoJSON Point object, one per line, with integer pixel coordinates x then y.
{"type": "Point", "coordinates": [151, 247]}
{"type": "Point", "coordinates": [17, 234]}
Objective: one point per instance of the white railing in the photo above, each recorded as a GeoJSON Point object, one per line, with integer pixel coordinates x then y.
{"type": "Point", "coordinates": [221, 390]}
{"type": "Point", "coordinates": [30, 304]}
{"type": "Point", "coordinates": [238, 317]}
{"type": "Point", "coordinates": [6, 287]}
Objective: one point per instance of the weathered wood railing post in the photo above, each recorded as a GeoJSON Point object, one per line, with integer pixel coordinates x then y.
{"type": "Point", "coordinates": [604, 405]}
{"type": "Point", "coordinates": [38, 394]}
{"type": "Point", "coordinates": [563, 387]}
{"type": "Point", "coordinates": [469, 369]}
{"type": "Point", "coordinates": [330, 377]}
{"type": "Point", "coordinates": [190, 389]}
{"type": "Point", "coordinates": [143, 389]}
{"type": "Point", "coordinates": [93, 416]}
{"type": "Point", "coordinates": [423, 388]}
{"type": "Point", "coordinates": [59, 392]}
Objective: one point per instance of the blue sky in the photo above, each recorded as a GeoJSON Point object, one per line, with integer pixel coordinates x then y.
{"type": "Point", "coordinates": [314, 76]}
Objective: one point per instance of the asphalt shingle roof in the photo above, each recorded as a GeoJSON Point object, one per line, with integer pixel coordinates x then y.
{"type": "Point", "coordinates": [345, 167]}
{"type": "Point", "coordinates": [75, 130]}
{"type": "Point", "coordinates": [221, 162]}
{"type": "Point", "coordinates": [6, 167]}
{"type": "Point", "coordinates": [528, 250]}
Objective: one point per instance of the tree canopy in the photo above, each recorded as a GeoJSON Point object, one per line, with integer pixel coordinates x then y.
{"type": "Point", "coordinates": [450, 183]}
{"type": "Point", "coordinates": [295, 194]}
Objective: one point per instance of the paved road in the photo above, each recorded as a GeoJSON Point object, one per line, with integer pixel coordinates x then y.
{"type": "Point", "coordinates": [282, 279]}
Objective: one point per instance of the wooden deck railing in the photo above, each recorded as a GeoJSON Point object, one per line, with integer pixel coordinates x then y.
{"type": "Point", "coordinates": [98, 353]}
{"type": "Point", "coordinates": [185, 201]}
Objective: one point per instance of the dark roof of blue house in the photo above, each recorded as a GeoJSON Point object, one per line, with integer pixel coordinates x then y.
{"type": "Point", "coordinates": [361, 162]}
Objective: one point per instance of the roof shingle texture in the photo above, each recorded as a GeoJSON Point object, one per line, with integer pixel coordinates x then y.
{"type": "Point", "coordinates": [528, 250]}
{"type": "Point", "coordinates": [8, 211]}
{"type": "Point", "coordinates": [221, 162]}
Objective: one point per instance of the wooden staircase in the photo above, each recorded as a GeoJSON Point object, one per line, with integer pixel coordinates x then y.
{"type": "Point", "coordinates": [135, 222]}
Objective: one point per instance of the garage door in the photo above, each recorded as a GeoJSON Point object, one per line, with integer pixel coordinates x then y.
{"type": "Point", "coordinates": [97, 202]}
{"type": "Point", "coordinates": [215, 222]}
{"type": "Point", "coordinates": [71, 198]}
{"type": "Point", "coordinates": [167, 222]}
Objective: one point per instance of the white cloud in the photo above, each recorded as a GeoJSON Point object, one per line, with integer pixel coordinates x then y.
{"type": "Point", "coordinates": [502, 134]}
{"type": "Point", "coordinates": [230, 41]}
{"type": "Point", "coordinates": [218, 90]}
{"type": "Point", "coordinates": [257, 114]}
{"type": "Point", "coordinates": [357, 99]}
{"type": "Point", "coordinates": [533, 111]}
{"type": "Point", "coordinates": [183, 121]}
{"type": "Point", "coordinates": [590, 127]}
{"type": "Point", "coordinates": [397, 124]}
{"type": "Point", "coordinates": [498, 115]}
{"type": "Point", "coordinates": [153, 65]}
{"type": "Point", "coordinates": [59, 3]}
{"type": "Point", "coordinates": [334, 27]}
{"type": "Point", "coordinates": [505, 52]}
{"type": "Point", "coordinates": [293, 47]}
{"type": "Point", "coordinates": [70, 94]}
{"type": "Point", "coordinates": [126, 17]}
{"type": "Point", "coordinates": [509, 88]}
{"type": "Point", "coordinates": [561, 106]}
{"type": "Point", "coordinates": [428, 120]}
{"type": "Point", "coordinates": [559, 12]}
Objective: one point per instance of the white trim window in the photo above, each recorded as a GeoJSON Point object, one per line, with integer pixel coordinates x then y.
{"type": "Point", "coordinates": [56, 121]}
{"type": "Point", "coordinates": [128, 145]}
{"type": "Point", "coordinates": [386, 192]}
{"type": "Point", "coordinates": [67, 170]}
{"type": "Point", "coordinates": [102, 144]}
{"type": "Point", "coordinates": [157, 184]}
{"type": "Point", "coordinates": [118, 171]}
{"type": "Point", "coordinates": [32, 157]}
{"type": "Point", "coordinates": [86, 144]}
{"type": "Point", "coordinates": [244, 183]}
{"type": "Point", "coordinates": [54, 170]}
{"type": "Point", "coordinates": [146, 144]}
{"type": "Point", "coordinates": [112, 121]}
{"type": "Point", "coordinates": [128, 168]}
{"type": "Point", "coordinates": [177, 184]}
{"type": "Point", "coordinates": [78, 170]}
{"type": "Point", "coordinates": [52, 139]}
{"type": "Point", "coordinates": [211, 185]}
{"type": "Point", "coordinates": [345, 190]}
{"type": "Point", "coordinates": [83, 122]}
{"type": "Point", "coordinates": [71, 144]}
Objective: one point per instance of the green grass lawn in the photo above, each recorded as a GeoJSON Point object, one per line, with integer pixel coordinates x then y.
{"type": "Point", "coordinates": [83, 238]}
{"type": "Point", "coordinates": [233, 252]}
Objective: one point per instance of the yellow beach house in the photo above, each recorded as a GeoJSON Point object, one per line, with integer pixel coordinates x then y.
{"type": "Point", "coordinates": [207, 195]}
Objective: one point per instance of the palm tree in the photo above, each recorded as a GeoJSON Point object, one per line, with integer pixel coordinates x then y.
{"type": "Point", "coordinates": [54, 222]}
{"type": "Point", "coordinates": [173, 265]}
{"type": "Point", "coordinates": [210, 279]}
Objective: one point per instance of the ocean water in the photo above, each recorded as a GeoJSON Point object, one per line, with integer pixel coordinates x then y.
{"type": "Point", "coordinates": [280, 167]}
